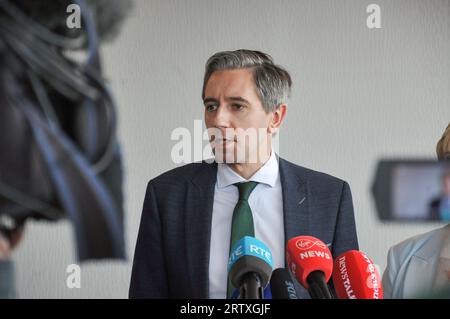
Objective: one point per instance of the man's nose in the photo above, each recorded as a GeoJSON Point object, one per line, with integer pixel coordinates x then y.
{"type": "Point", "coordinates": [222, 117]}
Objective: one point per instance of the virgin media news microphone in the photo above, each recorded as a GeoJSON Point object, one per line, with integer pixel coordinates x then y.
{"type": "Point", "coordinates": [356, 277]}
{"type": "Point", "coordinates": [310, 260]}
{"type": "Point", "coordinates": [250, 267]}
{"type": "Point", "coordinates": [281, 285]}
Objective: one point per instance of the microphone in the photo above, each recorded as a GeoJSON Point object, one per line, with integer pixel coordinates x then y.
{"type": "Point", "coordinates": [310, 260]}
{"type": "Point", "coordinates": [282, 285]}
{"type": "Point", "coordinates": [356, 277]}
{"type": "Point", "coordinates": [250, 267]}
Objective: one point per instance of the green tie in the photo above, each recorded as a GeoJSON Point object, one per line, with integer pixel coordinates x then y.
{"type": "Point", "coordinates": [242, 223]}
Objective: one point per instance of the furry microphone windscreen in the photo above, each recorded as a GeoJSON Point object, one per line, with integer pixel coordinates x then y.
{"type": "Point", "coordinates": [108, 14]}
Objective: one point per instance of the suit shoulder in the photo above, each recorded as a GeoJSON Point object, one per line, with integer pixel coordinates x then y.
{"type": "Point", "coordinates": [414, 244]}
{"type": "Point", "coordinates": [181, 174]}
{"type": "Point", "coordinates": [311, 175]}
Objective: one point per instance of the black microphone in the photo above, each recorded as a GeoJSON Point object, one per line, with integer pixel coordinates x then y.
{"type": "Point", "coordinates": [281, 285]}
{"type": "Point", "coordinates": [250, 267]}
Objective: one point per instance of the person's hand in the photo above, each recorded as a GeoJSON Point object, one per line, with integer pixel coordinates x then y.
{"type": "Point", "coordinates": [8, 244]}
{"type": "Point", "coordinates": [5, 249]}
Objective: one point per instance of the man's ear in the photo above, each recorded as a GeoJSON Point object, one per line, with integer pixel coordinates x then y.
{"type": "Point", "coordinates": [277, 119]}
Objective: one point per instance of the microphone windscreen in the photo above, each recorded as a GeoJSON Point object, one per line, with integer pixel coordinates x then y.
{"type": "Point", "coordinates": [282, 286]}
{"type": "Point", "coordinates": [250, 255]}
{"type": "Point", "coordinates": [356, 277]}
{"type": "Point", "coordinates": [306, 254]}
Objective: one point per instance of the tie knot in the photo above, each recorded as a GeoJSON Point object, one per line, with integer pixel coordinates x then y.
{"type": "Point", "coordinates": [245, 189]}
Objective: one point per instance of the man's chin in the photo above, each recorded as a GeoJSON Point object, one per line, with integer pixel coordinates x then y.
{"type": "Point", "coordinates": [232, 157]}
{"type": "Point", "coordinates": [224, 156]}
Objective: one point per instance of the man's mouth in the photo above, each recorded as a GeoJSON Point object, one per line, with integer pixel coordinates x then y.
{"type": "Point", "coordinates": [224, 141]}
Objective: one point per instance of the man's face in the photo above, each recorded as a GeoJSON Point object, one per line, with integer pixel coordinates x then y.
{"type": "Point", "coordinates": [234, 116]}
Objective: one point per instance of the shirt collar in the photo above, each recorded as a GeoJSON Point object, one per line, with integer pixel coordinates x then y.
{"type": "Point", "coordinates": [267, 174]}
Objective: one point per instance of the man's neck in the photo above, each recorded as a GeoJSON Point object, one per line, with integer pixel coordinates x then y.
{"type": "Point", "coordinates": [247, 170]}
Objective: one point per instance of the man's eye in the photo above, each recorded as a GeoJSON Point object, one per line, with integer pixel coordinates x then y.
{"type": "Point", "coordinates": [210, 108]}
{"type": "Point", "coordinates": [237, 106]}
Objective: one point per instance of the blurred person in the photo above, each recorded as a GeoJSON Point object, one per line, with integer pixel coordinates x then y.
{"type": "Point", "coordinates": [59, 157]}
{"type": "Point", "coordinates": [7, 244]}
{"type": "Point", "coordinates": [420, 266]}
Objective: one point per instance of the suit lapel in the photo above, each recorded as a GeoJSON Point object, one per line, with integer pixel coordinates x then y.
{"type": "Point", "coordinates": [419, 278]}
{"type": "Point", "coordinates": [421, 272]}
{"type": "Point", "coordinates": [295, 209]}
{"type": "Point", "coordinates": [295, 202]}
{"type": "Point", "coordinates": [198, 220]}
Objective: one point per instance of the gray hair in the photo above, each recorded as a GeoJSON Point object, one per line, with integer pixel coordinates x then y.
{"type": "Point", "coordinates": [273, 83]}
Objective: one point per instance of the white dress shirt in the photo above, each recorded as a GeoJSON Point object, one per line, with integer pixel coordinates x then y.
{"type": "Point", "coordinates": [266, 203]}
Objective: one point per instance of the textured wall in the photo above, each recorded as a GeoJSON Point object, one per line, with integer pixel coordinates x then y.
{"type": "Point", "coordinates": [358, 95]}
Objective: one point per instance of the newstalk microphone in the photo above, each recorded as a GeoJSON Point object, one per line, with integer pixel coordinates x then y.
{"type": "Point", "coordinates": [311, 262]}
{"type": "Point", "coordinates": [356, 277]}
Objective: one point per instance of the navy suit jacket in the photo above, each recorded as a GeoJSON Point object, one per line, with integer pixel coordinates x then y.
{"type": "Point", "coordinates": [171, 259]}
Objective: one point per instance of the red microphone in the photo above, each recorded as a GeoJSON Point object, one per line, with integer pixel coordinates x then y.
{"type": "Point", "coordinates": [356, 277]}
{"type": "Point", "coordinates": [311, 262]}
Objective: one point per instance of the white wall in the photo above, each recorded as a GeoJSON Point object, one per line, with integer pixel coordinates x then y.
{"type": "Point", "coordinates": [358, 95]}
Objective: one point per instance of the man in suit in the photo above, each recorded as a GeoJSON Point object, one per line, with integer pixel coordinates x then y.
{"type": "Point", "coordinates": [192, 213]}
